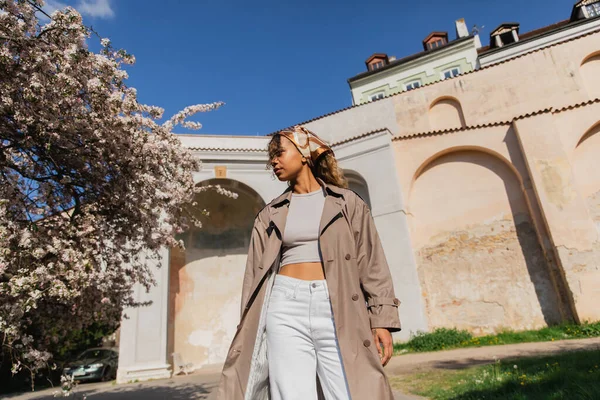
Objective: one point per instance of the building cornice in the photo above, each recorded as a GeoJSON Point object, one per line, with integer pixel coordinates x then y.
{"type": "Point", "coordinates": [225, 149]}
{"type": "Point", "coordinates": [549, 110]}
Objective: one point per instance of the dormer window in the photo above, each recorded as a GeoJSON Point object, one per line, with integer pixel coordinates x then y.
{"type": "Point", "coordinates": [376, 65]}
{"type": "Point", "coordinates": [593, 10]}
{"type": "Point", "coordinates": [504, 35]}
{"type": "Point", "coordinates": [435, 40]}
{"type": "Point", "coordinates": [585, 9]}
{"type": "Point", "coordinates": [436, 44]}
{"type": "Point", "coordinates": [377, 61]}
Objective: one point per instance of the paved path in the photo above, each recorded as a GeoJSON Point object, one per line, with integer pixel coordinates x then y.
{"type": "Point", "coordinates": [199, 385]}
{"type": "Point", "coordinates": [202, 383]}
{"type": "Point", "coordinates": [194, 386]}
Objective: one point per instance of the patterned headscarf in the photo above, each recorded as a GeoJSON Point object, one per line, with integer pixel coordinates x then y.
{"type": "Point", "coordinates": [307, 142]}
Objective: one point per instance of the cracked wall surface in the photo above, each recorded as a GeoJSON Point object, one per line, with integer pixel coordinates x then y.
{"type": "Point", "coordinates": [488, 277]}
{"type": "Point", "coordinates": [206, 278]}
{"type": "Point", "coordinates": [584, 263]}
{"type": "Point", "coordinates": [479, 260]}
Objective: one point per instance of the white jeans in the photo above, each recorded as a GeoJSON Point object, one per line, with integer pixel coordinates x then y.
{"type": "Point", "coordinates": [302, 342]}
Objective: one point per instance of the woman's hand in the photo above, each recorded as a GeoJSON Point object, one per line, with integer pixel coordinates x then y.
{"type": "Point", "coordinates": [382, 336]}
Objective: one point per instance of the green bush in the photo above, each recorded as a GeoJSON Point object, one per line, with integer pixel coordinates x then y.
{"type": "Point", "coordinates": [439, 339]}
{"type": "Point", "coordinates": [443, 339]}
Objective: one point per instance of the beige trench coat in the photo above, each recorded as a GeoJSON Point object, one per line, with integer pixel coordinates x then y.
{"type": "Point", "coordinates": [361, 294]}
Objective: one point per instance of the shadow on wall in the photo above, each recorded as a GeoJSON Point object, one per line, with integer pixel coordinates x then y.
{"type": "Point", "coordinates": [590, 72]}
{"type": "Point", "coordinates": [229, 222]}
{"type": "Point", "coordinates": [585, 169]}
{"type": "Point", "coordinates": [358, 184]}
{"type": "Point", "coordinates": [563, 303]}
{"type": "Point", "coordinates": [468, 260]}
{"type": "Point", "coordinates": [206, 278]}
{"type": "Point", "coordinates": [446, 113]}
{"type": "Point", "coordinates": [532, 251]}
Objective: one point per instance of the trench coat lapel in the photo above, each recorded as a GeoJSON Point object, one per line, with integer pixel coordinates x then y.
{"type": "Point", "coordinates": [332, 210]}
{"type": "Point", "coordinates": [273, 238]}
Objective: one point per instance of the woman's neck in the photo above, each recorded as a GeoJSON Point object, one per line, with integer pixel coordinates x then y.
{"type": "Point", "coordinates": [305, 183]}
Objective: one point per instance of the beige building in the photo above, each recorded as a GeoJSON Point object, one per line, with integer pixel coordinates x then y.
{"type": "Point", "coordinates": [485, 189]}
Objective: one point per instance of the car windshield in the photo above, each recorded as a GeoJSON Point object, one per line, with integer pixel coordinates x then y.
{"type": "Point", "coordinates": [94, 354]}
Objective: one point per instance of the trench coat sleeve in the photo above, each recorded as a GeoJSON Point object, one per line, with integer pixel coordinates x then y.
{"type": "Point", "coordinates": [255, 252]}
{"type": "Point", "coordinates": [374, 272]}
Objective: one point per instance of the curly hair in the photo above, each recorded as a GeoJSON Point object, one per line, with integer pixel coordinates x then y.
{"type": "Point", "coordinates": [326, 166]}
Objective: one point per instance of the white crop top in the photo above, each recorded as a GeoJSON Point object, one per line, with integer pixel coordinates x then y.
{"type": "Point", "coordinates": [301, 235]}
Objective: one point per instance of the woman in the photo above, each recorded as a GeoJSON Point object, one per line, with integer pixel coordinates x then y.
{"type": "Point", "coordinates": [318, 305]}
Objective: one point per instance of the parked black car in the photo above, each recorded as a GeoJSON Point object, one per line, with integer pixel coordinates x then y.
{"type": "Point", "coordinates": [97, 364]}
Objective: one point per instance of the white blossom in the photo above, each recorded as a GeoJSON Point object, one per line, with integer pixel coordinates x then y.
{"type": "Point", "coordinates": [90, 180]}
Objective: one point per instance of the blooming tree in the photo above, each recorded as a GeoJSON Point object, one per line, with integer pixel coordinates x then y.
{"type": "Point", "coordinates": [89, 181]}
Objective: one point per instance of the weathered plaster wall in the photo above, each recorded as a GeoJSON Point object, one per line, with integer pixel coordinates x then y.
{"type": "Point", "coordinates": [551, 77]}
{"type": "Point", "coordinates": [590, 73]}
{"type": "Point", "coordinates": [586, 168]}
{"type": "Point", "coordinates": [446, 113]}
{"type": "Point", "coordinates": [206, 278]}
{"type": "Point", "coordinates": [558, 168]}
{"type": "Point", "coordinates": [480, 263]}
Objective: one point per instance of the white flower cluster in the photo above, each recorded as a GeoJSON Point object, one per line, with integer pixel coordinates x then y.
{"type": "Point", "coordinates": [179, 118]}
{"type": "Point", "coordinates": [89, 182]}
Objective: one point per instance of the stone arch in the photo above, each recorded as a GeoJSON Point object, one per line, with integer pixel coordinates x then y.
{"type": "Point", "coordinates": [358, 184]}
{"type": "Point", "coordinates": [590, 72]}
{"type": "Point", "coordinates": [585, 169]}
{"type": "Point", "coordinates": [206, 279]}
{"type": "Point", "coordinates": [446, 112]}
{"type": "Point", "coordinates": [429, 161]}
{"type": "Point", "coordinates": [480, 263]}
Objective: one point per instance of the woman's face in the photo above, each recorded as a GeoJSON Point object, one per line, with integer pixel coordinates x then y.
{"type": "Point", "coordinates": [287, 161]}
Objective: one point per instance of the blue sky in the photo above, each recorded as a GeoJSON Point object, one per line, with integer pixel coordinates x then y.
{"type": "Point", "coordinates": [277, 63]}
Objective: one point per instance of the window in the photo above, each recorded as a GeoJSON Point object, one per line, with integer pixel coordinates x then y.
{"type": "Point", "coordinates": [377, 96]}
{"type": "Point", "coordinates": [451, 73]}
{"type": "Point", "coordinates": [436, 44]}
{"type": "Point", "coordinates": [376, 65]}
{"type": "Point", "coordinates": [508, 37]}
{"type": "Point", "coordinates": [412, 85]}
{"type": "Point", "coordinates": [95, 354]}
{"type": "Point", "coordinates": [593, 10]}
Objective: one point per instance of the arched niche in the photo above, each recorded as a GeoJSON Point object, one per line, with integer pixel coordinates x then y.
{"type": "Point", "coordinates": [446, 113]}
{"type": "Point", "coordinates": [206, 278]}
{"type": "Point", "coordinates": [480, 263]}
{"type": "Point", "coordinates": [358, 184]}
{"type": "Point", "coordinates": [590, 73]}
{"type": "Point", "coordinates": [585, 168]}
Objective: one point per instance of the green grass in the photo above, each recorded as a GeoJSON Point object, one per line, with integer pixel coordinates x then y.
{"type": "Point", "coordinates": [570, 376]}
{"type": "Point", "coordinates": [444, 339]}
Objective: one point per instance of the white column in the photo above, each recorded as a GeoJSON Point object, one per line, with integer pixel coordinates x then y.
{"type": "Point", "coordinates": [515, 36]}
{"type": "Point", "coordinates": [143, 341]}
{"type": "Point", "coordinates": [498, 41]}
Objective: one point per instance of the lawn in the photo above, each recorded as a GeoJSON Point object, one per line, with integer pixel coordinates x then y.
{"type": "Point", "coordinates": [444, 339]}
{"type": "Point", "coordinates": [570, 376]}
